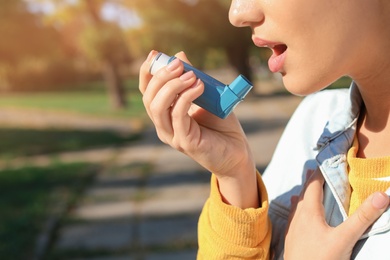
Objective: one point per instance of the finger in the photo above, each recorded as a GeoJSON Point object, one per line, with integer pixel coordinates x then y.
{"type": "Point", "coordinates": [185, 127]}
{"type": "Point", "coordinates": [293, 208]}
{"type": "Point", "coordinates": [311, 197]}
{"type": "Point", "coordinates": [364, 217]}
{"type": "Point", "coordinates": [144, 74]}
{"type": "Point", "coordinates": [294, 201]}
{"type": "Point", "coordinates": [182, 56]}
{"type": "Point", "coordinates": [184, 100]}
{"type": "Point", "coordinates": [309, 173]}
{"type": "Point", "coordinates": [171, 71]}
{"type": "Point", "coordinates": [313, 192]}
{"type": "Point", "coordinates": [164, 103]}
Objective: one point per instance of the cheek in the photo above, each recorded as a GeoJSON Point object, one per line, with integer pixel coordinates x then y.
{"type": "Point", "coordinates": [308, 73]}
{"type": "Point", "coordinates": [318, 44]}
{"type": "Point", "coordinates": [314, 61]}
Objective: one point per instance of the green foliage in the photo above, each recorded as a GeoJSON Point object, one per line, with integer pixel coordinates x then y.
{"type": "Point", "coordinates": [215, 58]}
{"type": "Point", "coordinates": [23, 35]}
{"type": "Point", "coordinates": [171, 26]}
{"type": "Point", "coordinates": [27, 196]}
{"type": "Point", "coordinates": [66, 46]}
{"type": "Point", "coordinates": [40, 50]}
{"type": "Point", "coordinates": [103, 43]}
{"type": "Point", "coordinates": [56, 76]}
{"type": "Point", "coordinates": [343, 82]}
{"type": "Point", "coordinates": [24, 38]}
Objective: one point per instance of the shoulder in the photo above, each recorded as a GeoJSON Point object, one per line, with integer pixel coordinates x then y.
{"type": "Point", "coordinates": [325, 101]}
{"type": "Point", "coordinates": [300, 139]}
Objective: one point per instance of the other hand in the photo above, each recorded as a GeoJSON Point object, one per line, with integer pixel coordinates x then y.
{"type": "Point", "coordinates": [310, 237]}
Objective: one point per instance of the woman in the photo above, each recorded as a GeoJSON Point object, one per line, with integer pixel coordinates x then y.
{"type": "Point", "coordinates": [338, 140]}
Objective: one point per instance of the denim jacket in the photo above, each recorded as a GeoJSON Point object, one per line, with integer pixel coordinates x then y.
{"type": "Point", "coordinates": [318, 136]}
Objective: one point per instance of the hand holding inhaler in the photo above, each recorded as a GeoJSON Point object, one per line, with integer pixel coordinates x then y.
{"type": "Point", "coordinates": [219, 145]}
{"type": "Point", "coordinates": [217, 98]}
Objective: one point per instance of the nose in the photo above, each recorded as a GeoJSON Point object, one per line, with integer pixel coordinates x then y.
{"type": "Point", "coordinates": [244, 13]}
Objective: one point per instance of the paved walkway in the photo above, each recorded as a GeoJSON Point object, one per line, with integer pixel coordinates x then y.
{"type": "Point", "coordinates": [146, 201]}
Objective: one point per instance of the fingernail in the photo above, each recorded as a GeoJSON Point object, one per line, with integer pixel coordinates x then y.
{"type": "Point", "coordinates": [187, 75]}
{"type": "Point", "coordinates": [380, 200]}
{"type": "Point", "coordinates": [197, 83]}
{"type": "Point", "coordinates": [173, 65]}
{"type": "Point", "coordinates": [150, 55]}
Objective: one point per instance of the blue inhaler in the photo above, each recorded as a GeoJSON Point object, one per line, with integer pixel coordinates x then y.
{"type": "Point", "coordinates": [217, 98]}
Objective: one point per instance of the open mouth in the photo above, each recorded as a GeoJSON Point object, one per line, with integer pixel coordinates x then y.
{"type": "Point", "coordinates": [276, 61]}
{"type": "Point", "coordinates": [279, 49]}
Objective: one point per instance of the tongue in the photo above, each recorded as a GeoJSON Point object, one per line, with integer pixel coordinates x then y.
{"type": "Point", "coordinates": [276, 61]}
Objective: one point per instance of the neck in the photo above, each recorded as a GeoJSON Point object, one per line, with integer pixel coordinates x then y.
{"type": "Point", "coordinates": [372, 76]}
{"type": "Point", "coordinates": [374, 127]}
{"type": "Point", "coordinates": [377, 107]}
{"type": "Point", "coordinates": [374, 85]}
{"type": "Point", "coordinates": [370, 69]}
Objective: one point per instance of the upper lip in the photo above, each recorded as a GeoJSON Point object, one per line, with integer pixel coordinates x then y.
{"type": "Point", "coordinates": [277, 47]}
{"type": "Point", "coordinates": [265, 43]}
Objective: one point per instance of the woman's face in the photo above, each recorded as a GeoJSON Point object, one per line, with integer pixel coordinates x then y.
{"type": "Point", "coordinates": [314, 42]}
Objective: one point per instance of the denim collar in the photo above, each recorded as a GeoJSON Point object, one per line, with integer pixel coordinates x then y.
{"type": "Point", "coordinates": [333, 146]}
{"type": "Point", "coordinates": [344, 118]}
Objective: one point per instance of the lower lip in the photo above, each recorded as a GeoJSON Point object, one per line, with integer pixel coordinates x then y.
{"type": "Point", "coordinates": [276, 62]}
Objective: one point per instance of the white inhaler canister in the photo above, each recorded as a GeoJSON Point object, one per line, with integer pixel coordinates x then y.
{"type": "Point", "coordinates": [217, 98]}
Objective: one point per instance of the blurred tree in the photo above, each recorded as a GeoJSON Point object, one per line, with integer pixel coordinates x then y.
{"type": "Point", "coordinates": [193, 26]}
{"type": "Point", "coordinates": [86, 34]}
{"type": "Point", "coordinates": [25, 41]}
{"type": "Point", "coordinates": [103, 41]}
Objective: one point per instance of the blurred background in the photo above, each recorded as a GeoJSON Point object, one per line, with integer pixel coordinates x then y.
{"type": "Point", "coordinates": [82, 174]}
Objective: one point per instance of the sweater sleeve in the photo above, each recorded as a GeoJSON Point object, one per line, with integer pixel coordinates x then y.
{"type": "Point", "coordinates": [228, 232]}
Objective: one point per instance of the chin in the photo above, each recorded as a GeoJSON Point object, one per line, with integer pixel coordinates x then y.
{"type": "Point", "coordinates": [302, 87]}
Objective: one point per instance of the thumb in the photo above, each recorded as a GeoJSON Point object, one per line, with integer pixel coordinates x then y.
{"type": "Point", "coordinates": [364, 217]}
{"type": "Point", "coordinates": [182, 56]}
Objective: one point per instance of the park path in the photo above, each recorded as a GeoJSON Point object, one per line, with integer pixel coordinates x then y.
{"type": "Point", "coordinates": [145, 202]}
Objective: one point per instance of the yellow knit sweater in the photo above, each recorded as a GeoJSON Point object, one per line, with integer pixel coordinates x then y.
{"type": "Point", "coordinates": [228, 232]}
{"type": "Point", "coordinates": [366, 176]}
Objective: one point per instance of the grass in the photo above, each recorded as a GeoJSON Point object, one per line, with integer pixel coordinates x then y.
{"type": "Point", "coordinates": [26, 196]}
{"type": "Point", "coordinates": [92, 103]}
{"type": "Point", "coordinates": [16, 142]}
{"type": "Point", "coordinates": [91, 99]}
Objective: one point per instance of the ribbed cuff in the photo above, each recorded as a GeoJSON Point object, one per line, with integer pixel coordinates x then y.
{"type": "Point", "coordinates": [247, 227]}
